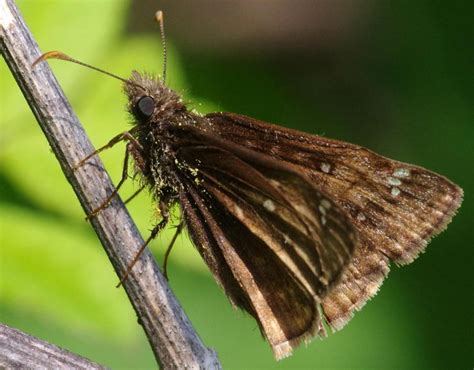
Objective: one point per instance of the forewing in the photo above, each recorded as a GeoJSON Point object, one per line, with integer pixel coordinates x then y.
{"type": "Point", "coordinates": [395, 207]}
{"type": "Point", "coordinates": [273, 241]}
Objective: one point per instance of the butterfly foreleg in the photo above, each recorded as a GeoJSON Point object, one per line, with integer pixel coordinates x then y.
{"type": "Point", "coordinates": [117, 139]}
{"type": "Point", "coordinates": [132, 147]}
{"type": "Point", "coordinates": [131, 197]}
{"type": "Point", "coordinates": [124, 177]}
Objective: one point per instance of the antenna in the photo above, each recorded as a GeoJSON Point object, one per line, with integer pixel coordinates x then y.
{"type": "Point", "coordinates": [159, 18]}
{"type": "Point", "coordinates": [62, 56]}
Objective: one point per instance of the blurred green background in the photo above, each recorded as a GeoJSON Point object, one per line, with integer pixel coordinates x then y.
{"type": "Point", "coordinates": [396, 77]}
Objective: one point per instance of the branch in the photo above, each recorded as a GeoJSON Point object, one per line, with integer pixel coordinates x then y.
{"type": "Point", "coordinates": [22, 351]}
{"type": "Point", "coordinates": [170, 333]}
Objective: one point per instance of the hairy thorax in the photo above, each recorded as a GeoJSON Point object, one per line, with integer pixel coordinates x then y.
{"type": "Point", "coordinates": [156, 110]}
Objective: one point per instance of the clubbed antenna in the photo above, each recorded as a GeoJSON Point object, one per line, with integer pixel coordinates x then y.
{"type": "Point", "coordinates": [160, 20]}
{"type": "Point", "coordinates": [62, 56]}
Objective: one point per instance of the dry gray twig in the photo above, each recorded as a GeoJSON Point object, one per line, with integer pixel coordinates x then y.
{"type": "Point", "coordinates": [22, 351]}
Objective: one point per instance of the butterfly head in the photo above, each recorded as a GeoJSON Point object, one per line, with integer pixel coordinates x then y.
{"type": "Point", "coordinates": [149, 100]}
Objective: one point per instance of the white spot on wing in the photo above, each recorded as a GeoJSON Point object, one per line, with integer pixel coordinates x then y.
{"type": "Point", "coordinates": [361, 217]}
{"type": "Point", "coordinates": [395, 191]}
{"type": "Point", "coordinates": [447, 198]}
{"type": "Point", "coordinates": [322, 210]}
{"type": "Point", "coordinates": [394, 181]}
{"type": "Point", "coordinates": [401, 172]}
{"type": "Point", "coordinates": [325, 167]}
{"type": "Point", "coordinates": [269, 205]}
{"type": "Point", "coordinates": [326, 203]}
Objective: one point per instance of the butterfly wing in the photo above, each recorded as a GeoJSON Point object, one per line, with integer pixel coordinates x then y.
{"type": "Point", "coordinates": [395, 207]}
{"type": "Point", "coordinates": [272, 240]}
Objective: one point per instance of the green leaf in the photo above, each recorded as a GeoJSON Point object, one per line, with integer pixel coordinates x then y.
{"type": "Point", "coordinates": [60, 272]}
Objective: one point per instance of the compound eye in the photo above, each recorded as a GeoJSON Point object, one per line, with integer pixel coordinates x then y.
{"type": "Point", "coordinates": [145, 106]}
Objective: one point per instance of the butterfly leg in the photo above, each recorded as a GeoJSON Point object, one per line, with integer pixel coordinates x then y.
{"type": "Point", "coordinates": [154, 232]}
{"type": "Point", "coordinates": [117, 139]}
{"type": "Point", "coordinates": [179, 228]}
{"type": "Point", "coordinates": [134, 148]}
{"type": "Point", "coordinates": [130, 198]}
{"type": "Point", "coordinates": [106, 203]}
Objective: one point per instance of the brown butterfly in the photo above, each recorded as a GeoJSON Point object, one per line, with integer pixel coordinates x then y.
{"type": "Point", "coordinates": [296, 228]}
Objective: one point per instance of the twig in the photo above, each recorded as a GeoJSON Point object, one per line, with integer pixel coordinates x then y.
{"type": "Point", "coordinates": [170, 333]}
{"type": "Point", "coordinates": [22, 351]}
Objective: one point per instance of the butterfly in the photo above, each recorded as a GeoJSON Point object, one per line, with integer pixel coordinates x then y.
{"type": "Point", "coordinates": [296, 228]}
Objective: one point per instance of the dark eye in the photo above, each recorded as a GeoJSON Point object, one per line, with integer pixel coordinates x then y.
{"type": "Point", "coordinates": [145, 106]}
